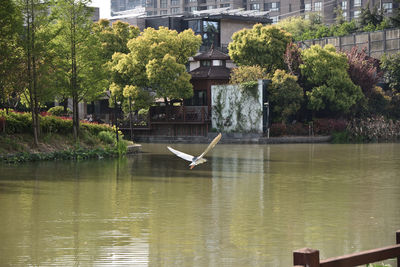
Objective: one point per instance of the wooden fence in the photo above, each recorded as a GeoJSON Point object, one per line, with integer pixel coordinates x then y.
{"type": "Point", "coordinates": [310, 257]}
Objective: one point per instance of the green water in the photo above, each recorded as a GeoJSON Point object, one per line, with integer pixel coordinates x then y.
{"type": "Point", "coordinates": [249, 205]}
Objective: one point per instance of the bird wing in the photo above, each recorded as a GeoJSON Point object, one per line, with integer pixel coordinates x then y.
{"type": "Point", "coordinates": [181, 154]}
{"type": "Point", "coordinates": [211, 145]}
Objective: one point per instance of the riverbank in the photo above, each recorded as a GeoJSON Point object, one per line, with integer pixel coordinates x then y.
{"type": "Point", "coordinates": [235, 138]}
{"type": "Point", "coordinates": [20, 148]}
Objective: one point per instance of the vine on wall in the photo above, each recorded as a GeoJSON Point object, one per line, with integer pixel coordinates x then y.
{"type": "Point", "coordinates": [237, 108]}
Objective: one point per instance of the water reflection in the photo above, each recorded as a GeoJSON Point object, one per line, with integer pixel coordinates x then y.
{"type": "Point", "coordinates": [249, 205]}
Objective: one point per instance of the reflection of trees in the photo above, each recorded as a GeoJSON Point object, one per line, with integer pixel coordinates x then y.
{"type": "Point", "coordinates": [250, 205]}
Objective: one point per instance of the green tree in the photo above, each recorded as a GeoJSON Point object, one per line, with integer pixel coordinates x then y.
{"type": "Point", "coordinates": [285, 95]}
{"type": "Point", "coordinates": [391, 69]}
{"type": "Point", "coordinates": [156, 60]}
{"type": "Point", "coordinates": [246, 74]}
{"type": "Point", "coordinates": [327, 81]}
{"type": "Point", "coordinates": [262, 45]}
{"type": "Point", "coordinates": [79, 54]}
{"type": "Point", "coordinates": [11, 51]}
{"type": "Point", "coordinates": [296, 25]}
{"type": "Point", "coordinates": [38, 56]}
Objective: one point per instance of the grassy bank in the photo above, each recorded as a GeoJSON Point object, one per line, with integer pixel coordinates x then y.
{"type": "Point", "coordinates": [56, 141]}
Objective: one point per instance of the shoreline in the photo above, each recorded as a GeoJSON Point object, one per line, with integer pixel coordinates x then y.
{"type": "Point", "coordinates": [235, 139]}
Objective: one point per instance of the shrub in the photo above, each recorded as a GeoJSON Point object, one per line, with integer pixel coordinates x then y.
{"type": "Point", "coordinates": [59, 111]}
{"type": "Point", "coordinates": [374, 129]}
{"type": "Point", "coordinates": [297, 129]}
{"type": "Point", "coordinates": [328, 126]}
{"type": "Point", "coordinates": [277, 129]}
{"type": "Point", "coordinates": [107, 137]}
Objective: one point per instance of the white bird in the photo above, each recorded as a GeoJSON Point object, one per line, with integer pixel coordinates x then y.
{"type": "Point", "coordinates": [196, 160]}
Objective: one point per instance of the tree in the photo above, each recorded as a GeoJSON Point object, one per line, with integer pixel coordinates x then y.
{"type": "Point", "coordinates": [79, 54]}
{"type": "Point", "coordinates": [370, 18]}
{"type": "Point", "coordinates": [285, 95]}
{"type": "Point", "coordinates": [391, 69]}
{"type": "Point", "coordinates": [296, 26]}
{"type": "Point", "coordinates": [327, 82]}
{"type": "Point", "coordinates": [11, 51]}
{"type": "Point", "coordinates": [261, 45]}
{"type": "Point", "coordinates": [156, 60]}
{"type": "Point", "coordinates": [37, 55]}
{"type": "Point", "coordinates": [292, 59]}
{"type": "Point", "coordinates": [246, 74]}
{"type": "Point", "coordinates": [363, 70]}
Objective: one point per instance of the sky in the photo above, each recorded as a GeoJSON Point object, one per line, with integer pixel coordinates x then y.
{"type": "Point", "coordinates": [104, 6]}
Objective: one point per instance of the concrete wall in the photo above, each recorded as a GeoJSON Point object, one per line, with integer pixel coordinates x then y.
{"type": "Point", "coordinates": [377, 43]}
{"type": "Point", "coordinates": [229, 27]}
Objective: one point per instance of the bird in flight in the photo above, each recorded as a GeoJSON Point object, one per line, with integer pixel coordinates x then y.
{"type": "Point", "coordinates": [196, 160]}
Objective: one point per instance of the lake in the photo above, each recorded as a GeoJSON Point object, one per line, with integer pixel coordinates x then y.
{"type": "Point", "coordinates": [249, 205]}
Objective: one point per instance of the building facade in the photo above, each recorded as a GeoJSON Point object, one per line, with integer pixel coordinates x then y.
{"type": "Point", "coordinates": [278, 9]}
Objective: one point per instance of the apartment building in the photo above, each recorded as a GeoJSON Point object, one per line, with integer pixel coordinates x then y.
{"type": "Point", "coordinates": [278, 9]}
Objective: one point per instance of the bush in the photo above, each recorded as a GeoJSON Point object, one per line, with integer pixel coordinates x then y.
{"type": "Point", "coordinates": [374, 129]}
{"type": "Point", "coordinates": [297, 129]}
{"type": "Point", "coordinates": [277, 129]}
{"type": "Point", "coordinates": [107, 137]}
{"type": "Point", "coordinates": [59, 111]}
{"type": "Point", "coordinates": [329, 126]}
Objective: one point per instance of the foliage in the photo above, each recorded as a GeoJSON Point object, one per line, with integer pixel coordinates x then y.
{"type": "Point", "coordinates": [11, 52]}
{"type": "Point", "coordinates": [59, 111]}
{"type": "Point", "coordinates": [243, 74]}
{"type": "Point", "coordinates": [374, 129]}
{"type": "Point", "coordinates": [329, 126]}
{"type": "Point", "coordinates": [156, 59]}
{"type": "Point", "coordinates": [293, 59]}
{"type": "Point", "coordinates": [73, 154]}
{"type": "Point", "coordinates": [79, 54]}
{"type": "Point", "coordinates": [297, 26]}
{"type": "Point", "coordinates": [20, 122]}
{"type": "Point", "coordinates": [262, 45]}
{"type": "Point", "coordinates": [328, 83]}
{"type": "Point", "coordinates": [391, 68]}
{"type": "Point", "coordinates": [378, 102]}
{"type": "Point", "coordinates": [285, 95]}
{"type": "Point", "coordinates": [368, 17]}
{"type": "Point", "coordinates": [107, 137]}
{"type": "Point", "coordinates": [250, 88]}
{"type": "Point", "coordinates": [363, 70]}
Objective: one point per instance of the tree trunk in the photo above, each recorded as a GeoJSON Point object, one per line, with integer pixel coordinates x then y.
{"type": "Point", "coordinates": [31, 65]}
{"type": "Point", "coordinates": [74, 85]}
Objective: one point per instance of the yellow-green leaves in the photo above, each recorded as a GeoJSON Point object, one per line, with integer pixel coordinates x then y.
{"type": "Point", "coordinates": [261, 45]}
{"type": "Point", "coordinates": [326, 74]}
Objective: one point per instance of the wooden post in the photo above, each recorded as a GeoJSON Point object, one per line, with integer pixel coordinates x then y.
{"type": "Point", "coordinates": [398, 242]}
{"type": "Point", "coordinates": [306, 257]}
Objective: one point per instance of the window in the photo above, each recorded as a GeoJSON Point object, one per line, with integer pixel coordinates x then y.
{"type": "Point", "coordinates": [388, 7]}
{"type": "Point", "coordinates": [211, 33]}
{"type": "Point", "coordinates": [275, 19]}
{"type": "Point", "coordinates": [317, 6]}
{"type": "Point", "coordinates": [357, 3]}
{"type": "Point", "coordinates": [217, 63]}
{"type": "Point", "coordinates": [345, 14]}
{"type": "Point", "coordinates": [199, 98]}
{"type": "Point", "coordinates": [357, 13]}
{"type": "Point", "coordinates": [205, 63]}
{"type": "Point", "coordinates": [174, 2]}
{"type": "Point", "coordinates": [192, 1]}
{"type": "Point", "coordinates": [255, 6]}
{"type": "Point", "coordinates": [307, 7]}
{"type": "Point", "coordinates": [211, 7]}
{"type": "Point", "coordinates": [225, 5]}
{"type": "Point", "coordinates": [195, 25]}
{"type": "Point", "coordinates": [192, 8]}
{"type": "Point", "coordinates": [274, 6]}
{"type": "Point", "coordinates": [163, 3]}
{"type": "Point", "coordinates": [344, 5]}
{"type": "Point", "coordinates": [163, 12]}
{"type": "Point", "coordinates": [175, 10]}
{"type": "Point", "coordinates": [149, 13]}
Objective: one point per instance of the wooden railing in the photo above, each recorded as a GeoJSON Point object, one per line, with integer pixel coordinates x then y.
{"type": "Point", "coordinates": [310, 257]}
